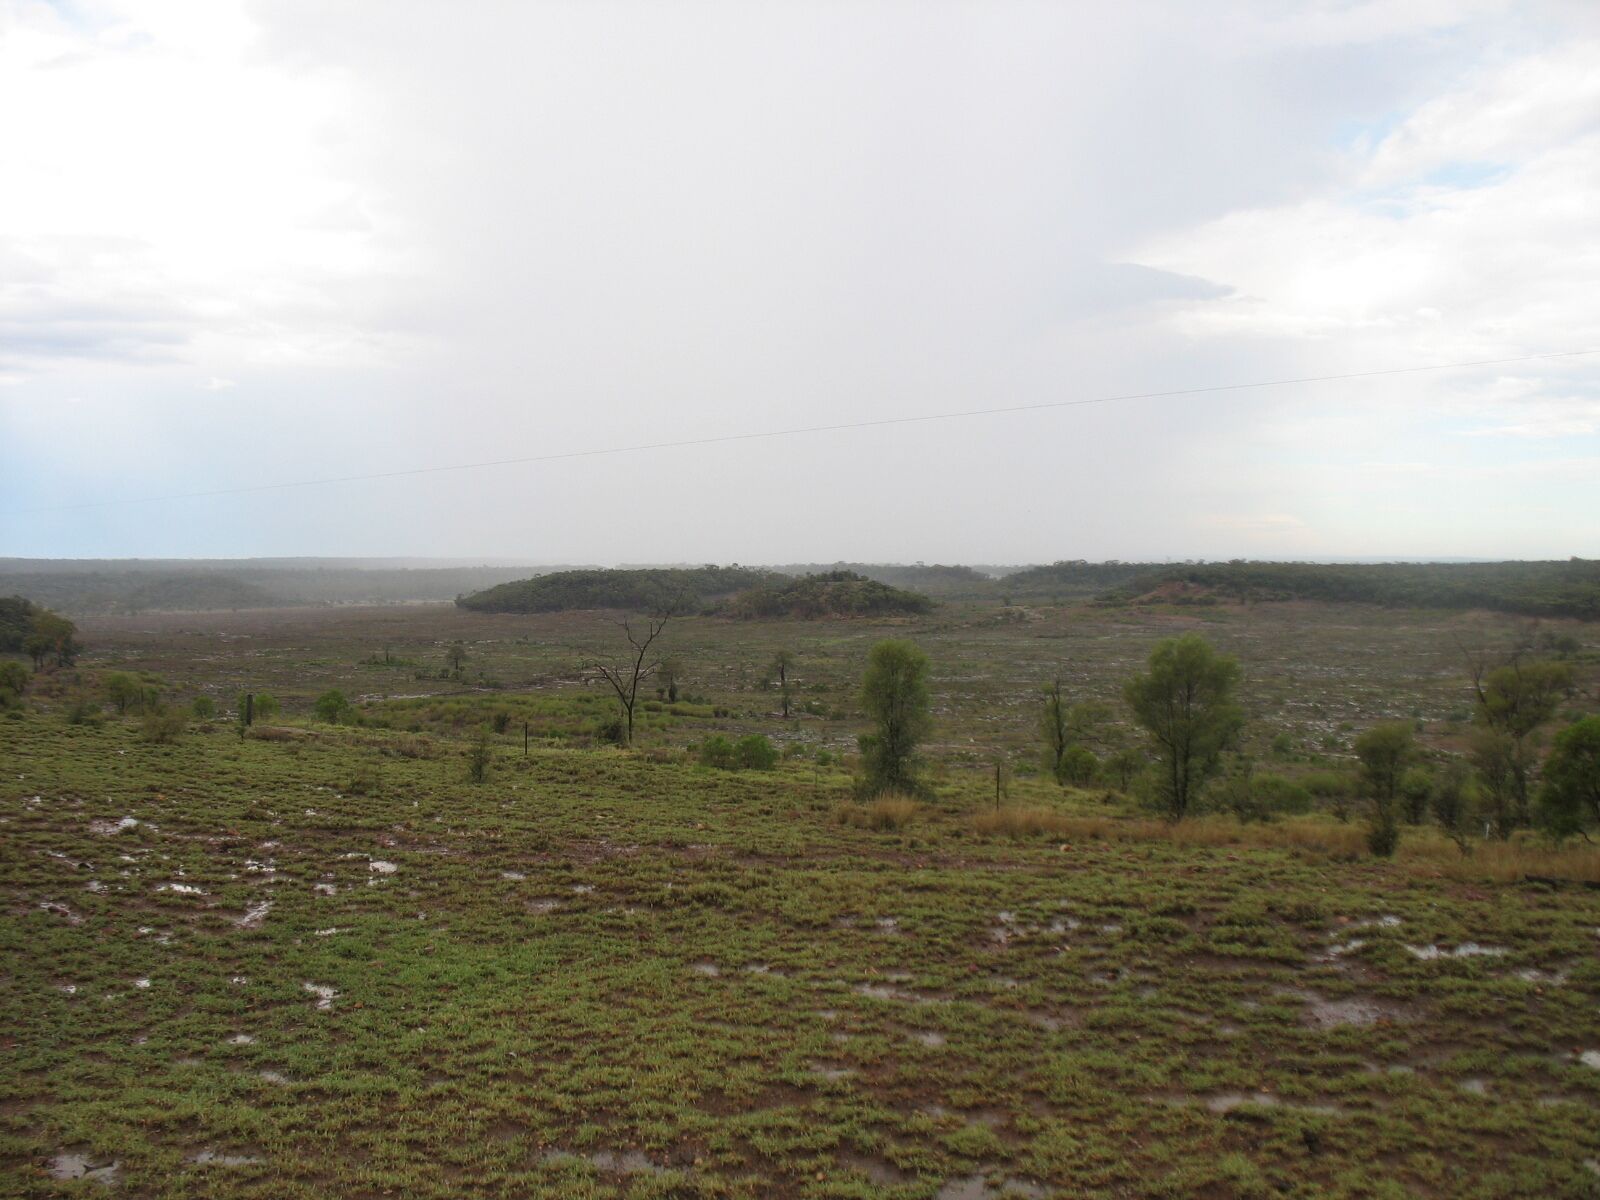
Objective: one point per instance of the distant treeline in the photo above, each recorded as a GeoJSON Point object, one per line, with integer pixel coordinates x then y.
{"type": "Point", "coordinates": [135, 588]}
{"type": "Point", "coordinates": [648, 589]}
{"type": "Point", "coordinates": [1069, 580]}
{"type": "Point", "coordinates": [1561, 588]}
{"type": "Point", "coordinates": [830, 594]}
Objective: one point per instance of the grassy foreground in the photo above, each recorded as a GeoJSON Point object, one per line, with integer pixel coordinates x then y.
{"type": "Point", "coordinates": [599, 974]}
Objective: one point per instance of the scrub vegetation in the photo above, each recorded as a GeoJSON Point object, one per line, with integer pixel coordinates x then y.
{"type": "Point", "coordinates": [916, 916]}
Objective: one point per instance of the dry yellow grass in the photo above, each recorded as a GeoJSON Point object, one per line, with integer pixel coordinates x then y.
{"type": "Point", "coordinates": [888, 811]}
{"type": "Point", "coordinates": [1423, 851]}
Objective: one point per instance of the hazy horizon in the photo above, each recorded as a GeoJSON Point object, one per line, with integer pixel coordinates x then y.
{"type": "Point", "coordinates": [247, 244]}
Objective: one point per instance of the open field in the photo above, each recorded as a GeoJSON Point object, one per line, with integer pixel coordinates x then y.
{"type": "Point", "coordinates": [320, 962]}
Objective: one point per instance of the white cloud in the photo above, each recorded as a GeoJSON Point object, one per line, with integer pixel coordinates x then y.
{"type": "Point", "coordinates": [417, 233]}
{"type": "Point", "coordinates": [169, 196]}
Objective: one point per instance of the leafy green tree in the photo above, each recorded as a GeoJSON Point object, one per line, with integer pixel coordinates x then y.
{"type": "Point", "coordinates": [1416, 785]}
{"type": "Point", "coordinates": [1454, 803]}
{"type": "Point", "coordinates": [332, 706]}
{"type": "Point", "coordinates": [894, 691]}
{"type": "Point", "coordinates": [1512, 701]}
{"type": "Point", "coordinates": [456, 657]}
{"type": "Point", "coordinates": [1385, 751]}
{"type": "Point", "coordinates": [203, 708]}
{"type": "Point", "coordinates": [124, 690]}
{"type": "Point", "coordinates": [1067, 727]}
{"type": "Point", "coordinates": [1185, 704]}
{"type": "Point", "coordinates": [13, 679]}
{"type": "Point", "coordinates": [1120, 766]}
{"type": "Point", "coordinates": [53, 635]}
{"type": "Point", "coordinates": [1569, 800]}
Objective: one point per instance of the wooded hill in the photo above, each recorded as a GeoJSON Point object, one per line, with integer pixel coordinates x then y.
{"type": "Point", "coordinates": [831, 594]}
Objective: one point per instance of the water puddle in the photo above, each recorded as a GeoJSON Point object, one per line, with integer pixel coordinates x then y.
{"type": "Point", "coordinates": [254, 915]}
{"type": "Point", "coordinates": [929, 1038]}
{"type": "Point", "coordinates": [514, 876]}
{"type": "Point", "coordinates": [611, 1162]}
{"type": "Point", "coordinates": [1339, 949]}
{"type": "Point", "coordinates": [1555, 977]}
{"type": "Point", "coordinates": [379, 867]}
{"type": "Point", "coordinates": [831, 1074]}
{"type": "Point", "coordinates": [708, 969]}
{"type": "Point", "coordinates": [242, 1039]}
{"type": "Point", "coordinates": [181, 889]}
{"type": "Point", "coordinates": [978, 1187]}
{"type": "Point", "coordinates": [209, 1158]}
{"type": "Point", "coordinates": [879, 1171]}
{"type": "Point", "coordinates": [1227, 1102]}
{"type": "Point", "coordinates": [1324, 1013]}
{"type": "Point", "coordinates": [108, 828]}
{"type": "Point", "coordinates": [56, 908]}
{"type": "Point", "coordinates": [1465, 950]}
{"type": "Point", "coordinates": [107, 1173]}
{"type": "Point", "coordinates": [1590, 1058]}
{"type": "Point", "coordinates": [546, 905]}
{"type": "Point", "coordinates": [882, 991]}
{"type": "Point", "coordinates": [325, 995]}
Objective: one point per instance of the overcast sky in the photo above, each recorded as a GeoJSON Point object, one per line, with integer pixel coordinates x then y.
{"type": "Point", "coordinates": [246, 244]}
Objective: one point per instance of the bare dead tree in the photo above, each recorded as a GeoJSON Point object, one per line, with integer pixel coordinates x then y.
{"type": "Point", "coordinates": [627, 671]}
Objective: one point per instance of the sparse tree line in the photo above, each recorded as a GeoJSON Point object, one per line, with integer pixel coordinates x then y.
{"type": "Point", "coordinates": [1184, 705]}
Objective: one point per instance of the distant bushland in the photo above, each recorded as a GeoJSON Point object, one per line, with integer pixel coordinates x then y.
{"type": "Point", "coordinates": [113, 586]}
{"type": "Point", "coordinates": [663, 589]}
{"type": "Point", "coordinates": [1071, 579]}
{"type": "Point", "coordinates": [1561, 588]}
{"type": "Point", "coordinates": [832, 594]}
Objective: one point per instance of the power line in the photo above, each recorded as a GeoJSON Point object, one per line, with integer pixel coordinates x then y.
{"type": "Point", "coordinates": [839, 427]}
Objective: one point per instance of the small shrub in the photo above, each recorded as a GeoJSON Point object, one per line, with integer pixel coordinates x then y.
{"type": "Point", "coordinates": [501, 721]}
{"type": "Point", "coordinates": [1078, 766]}
{"type": "Point", "coordinates": [80, 711]}
{"type": "Point", "coordinates": [717, 751]}
{"type": "Point", "coordinates": [13, 679]}
{"type": "Point", "coordinates": [755, 753]}
{"type": "Point", "coordinates": [162, 726]}
{"type": "Point", "coordinates": [1383, 836]}
{"type": "Point", "coordinates": [203, 708]}
{"type": "Point", "coordinates": [478, 758]}
{"type": "Point", "coordinates": [365, 782]}
{"type": "Point", "coordinates": [410, 747]}
{"type": "Point", "coordinates": [332, 706]}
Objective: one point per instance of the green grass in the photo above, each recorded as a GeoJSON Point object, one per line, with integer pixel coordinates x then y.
{"type": "Point", "coordinates": [598, 961]}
